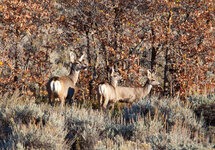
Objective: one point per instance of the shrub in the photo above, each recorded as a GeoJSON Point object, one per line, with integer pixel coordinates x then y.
{"type": "Point", "coordinates": [26, 124]}
{"type": "Point", "coordinates": [159, 124]}
{"type": "Point", "coordinates": [84, 127]}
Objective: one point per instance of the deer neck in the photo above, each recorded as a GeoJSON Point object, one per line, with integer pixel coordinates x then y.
{"type": "Point", "coordinates": [147, 87]}
{"type": "Point", "coordinates": [74, 74]}
{"type": "Point", "coordinates": [114, 82]}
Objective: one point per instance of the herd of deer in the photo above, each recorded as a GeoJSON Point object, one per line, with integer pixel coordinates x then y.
{"type": "Point", "coordinates": [108, 93]}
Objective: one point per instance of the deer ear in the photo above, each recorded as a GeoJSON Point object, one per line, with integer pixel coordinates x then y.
{"type": "Point", "coordinates": [81, 58]}
{"type": "Point", "coordinates": [149, 73]}
{"type": "Point", "coordinates": [112, 72]}
{"type": "Point", "coordinates": [153, 72]}
{"type": "Point", "coordinates": [72, 57]}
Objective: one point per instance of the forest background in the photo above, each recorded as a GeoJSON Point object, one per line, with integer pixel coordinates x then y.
{"type": "Point", "coordinates": [175, 38]}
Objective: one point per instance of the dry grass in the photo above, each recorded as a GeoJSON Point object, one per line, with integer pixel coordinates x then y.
{"type": "Point", "coordinates": [159, 124]}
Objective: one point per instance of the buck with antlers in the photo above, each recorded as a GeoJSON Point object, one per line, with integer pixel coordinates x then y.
{"type": "Point", "coordinates": [65, 87]}
{"type": "Point", "coordinates": [127, 94]}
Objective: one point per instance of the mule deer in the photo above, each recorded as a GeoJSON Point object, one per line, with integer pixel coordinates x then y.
{"type": "Point", "coordinates": [65, 87]}
{"type": "Point", "coordinates": [130, 94]}
{"type": "Point", "coordinates": [106, 91]}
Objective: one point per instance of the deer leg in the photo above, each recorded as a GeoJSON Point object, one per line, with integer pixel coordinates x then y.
{"type": "Point", "coordinates": [111, 106]}
{"type": "Point", "coordinates": [62, 99]}
{"type": "Point", "coordinates": [51, 98]}
{"type": "Point", "coordinates": [105, 103]}
{"type": "Point", "coordinates": [75, 93]}
{"type": "Point", "coordinates": [100, 100]}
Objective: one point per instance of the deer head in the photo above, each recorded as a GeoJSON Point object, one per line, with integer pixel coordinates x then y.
{"type": "Point", "coordinates": [77, 64]}
{"type": "Point", "coordinates": [115, 77]}
{"type": "Point", "coordinates": [152, 79]}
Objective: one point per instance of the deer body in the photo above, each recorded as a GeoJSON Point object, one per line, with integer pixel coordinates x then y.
{"type": "Point", "coordinates": [107, 91]}
{"type": "Point", "coordinates": [104, 90]}
{"type": "Point", "coordinates": [65, 87]}
{"type": "Point", "coordinates": [130, 94]}
{"type": "Point", "coordinates": [62, 87]}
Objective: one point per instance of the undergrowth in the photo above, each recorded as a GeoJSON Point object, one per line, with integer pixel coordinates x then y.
{"type": "Point", "coordinates": [158, 124]}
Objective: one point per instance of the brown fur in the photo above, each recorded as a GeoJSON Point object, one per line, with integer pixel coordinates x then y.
{"type": "Point", "coordinates": [67, 83]}
{"type": "Point", "coordinates": [128, 94]}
